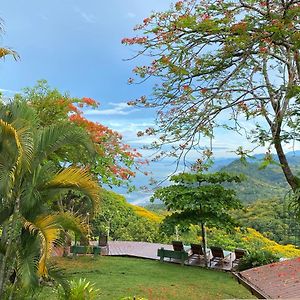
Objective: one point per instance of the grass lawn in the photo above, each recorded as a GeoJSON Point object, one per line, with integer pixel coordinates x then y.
{"type": "Point", "coordinates": [118, 277]}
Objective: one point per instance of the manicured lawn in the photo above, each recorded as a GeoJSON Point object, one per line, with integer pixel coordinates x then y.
{"type": "Point", "coordinates": [117, 277]}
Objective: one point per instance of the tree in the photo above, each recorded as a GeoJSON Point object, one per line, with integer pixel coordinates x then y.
{"type": "Point", "coordinates": [113, 160]}
{"type": "Point", "coordinates": [29, 185]}
{"type": "Point", "coordinates": [120, 220]}
{"type": "Point", "coordinates": [221, 63]}
{"type": "Point", "coordinates": [199, 199]}
{"type": "Point", "coordinates": [272, 218]}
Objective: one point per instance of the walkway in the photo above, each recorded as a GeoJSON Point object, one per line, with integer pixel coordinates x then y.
{"type": "Point", "coordinates": [149, 251]}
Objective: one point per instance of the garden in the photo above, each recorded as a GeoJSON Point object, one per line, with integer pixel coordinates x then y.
{"type": "Point", "coordinates": [215, 67]}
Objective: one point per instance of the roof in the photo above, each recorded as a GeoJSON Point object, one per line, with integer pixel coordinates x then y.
{"type": "Point", "coordinates": [276, 280]}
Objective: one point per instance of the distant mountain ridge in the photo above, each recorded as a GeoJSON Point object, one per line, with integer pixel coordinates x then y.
{"type": "Point", "coordinates": [260, 183]}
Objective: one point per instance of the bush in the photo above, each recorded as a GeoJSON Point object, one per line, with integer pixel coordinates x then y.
{"type": "Point", "coordinates": [256, 259]}
{"type": "Point", "coordinates": [79, 290]}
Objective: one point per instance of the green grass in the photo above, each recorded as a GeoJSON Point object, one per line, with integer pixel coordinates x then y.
{"type": "Point", "coordinates": [117, 277]}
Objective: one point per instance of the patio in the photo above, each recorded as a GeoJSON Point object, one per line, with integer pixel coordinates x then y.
{"type": "Point", "coordinates": [149, 251]}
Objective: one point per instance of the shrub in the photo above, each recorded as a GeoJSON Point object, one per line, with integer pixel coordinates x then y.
{"type": "Point", "coordinates": [79, 290]}
{"type": "Point", "coordinates": [256, 259]}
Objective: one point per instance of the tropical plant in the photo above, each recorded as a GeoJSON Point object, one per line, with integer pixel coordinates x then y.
{"type": "Point", "coordinates": [7, 51]}
{"type": "Point", "coordinates": [80, 289]}
{"type": "Point", "coordinates": [256, 259]}
{"type": "Point", "coordinates": [29, 185]}
{"type": "Point", "coordinates": [199, 199]}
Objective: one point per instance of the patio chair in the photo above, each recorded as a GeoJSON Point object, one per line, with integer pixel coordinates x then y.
{"type": "Point", "coordinates": [103, 242]}
{"type": "Point", "coordinates": [218, 256]}
{"type": "Point", "coordinates": [177, 246]}
{"type": "Point", "coordinates": [196, 250]}
{"type": "Point", "coordinates": [239, 253]}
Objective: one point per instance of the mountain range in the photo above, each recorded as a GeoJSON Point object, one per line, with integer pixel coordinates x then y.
{"type": "Point", "coordinates": [259, 183]}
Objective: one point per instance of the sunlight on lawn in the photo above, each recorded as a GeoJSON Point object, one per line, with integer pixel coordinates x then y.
{"type": "Point", "coordinates": [118, 277]}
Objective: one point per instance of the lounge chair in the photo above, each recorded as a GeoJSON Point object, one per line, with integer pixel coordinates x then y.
{"type": "Point", "coordinates": [177, 246]}
{"type": "Point", "coordinates": [239, 253]}
{"type": "Point", "coordinates": [196, 249]}
{"type": "Point", "coordinates": [218, 256]}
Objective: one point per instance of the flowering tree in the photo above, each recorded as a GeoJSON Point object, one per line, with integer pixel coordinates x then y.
{"type": "Point", "coordinates": [114, 159]}
{"type": "Point", "coordinates": [221, 63]}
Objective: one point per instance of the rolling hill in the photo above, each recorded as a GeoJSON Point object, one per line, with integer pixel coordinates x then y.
{"type": "Point", "coordinates": [260, 183]}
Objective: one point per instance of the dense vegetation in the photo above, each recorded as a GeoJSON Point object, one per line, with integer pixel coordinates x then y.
{"type": "Point", "coordinates": [123, 221]}
{"type": "Point", "coordinates": [213, 57]}
{"type": "Point", "coordinates": [273, 219]}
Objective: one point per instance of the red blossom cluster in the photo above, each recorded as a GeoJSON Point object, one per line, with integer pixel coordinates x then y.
{"type": "Point", "coordinates": [205, 17]}
{"type": "Point", "coordinates": [90, 101]}
{"type": "Point", "coordinates": [107, 142]}
{"type": "Point", "coordinates": [178, 5]}
{"type": "Point", "coordinates": [134, 40]}
{"type": "Point", "coordinates": [240, 26]}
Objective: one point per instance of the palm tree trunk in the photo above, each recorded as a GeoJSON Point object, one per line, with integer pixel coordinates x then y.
{"type": "Point", "coordinates": [11, 235]}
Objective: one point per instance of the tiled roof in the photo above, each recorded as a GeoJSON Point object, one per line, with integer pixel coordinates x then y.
{"type": "Point", "coordinates": [276, 281]}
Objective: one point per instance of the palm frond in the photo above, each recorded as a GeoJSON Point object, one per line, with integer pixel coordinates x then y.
{"type": "Point", "coordinates": [6, 51]}
{"type": "Point", "coordinates": [76, 179]}
{"type": "Point", "coordinates": [58, 275]}
{"type": "Point", "coordinates": [72, 222]}
{"type": "Point", "coordinates": [48, 230]}
{"type": "Point", "coordinates": [54, 137]}
{"type": "Point", "coordinates": [11, 153]}
{"type": "Point", "coordinates": [26, 269]}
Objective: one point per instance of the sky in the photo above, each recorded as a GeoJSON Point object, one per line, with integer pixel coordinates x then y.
{"type": "Point", "coordinates": [76, 46]}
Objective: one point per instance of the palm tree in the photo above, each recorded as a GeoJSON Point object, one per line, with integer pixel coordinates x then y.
{"type": "Point", "coordinates": [7, 51]}
{"type": "Point", "coordinates": [29, 185]}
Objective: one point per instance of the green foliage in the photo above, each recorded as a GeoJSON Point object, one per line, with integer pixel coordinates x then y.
{"type": "Point", "coordinates": [80, 289]}
{"type": "Point", "coordinates": [118, 219]}
{"type": "Point", "coordinates": [256, 259]}
{"type": "Point", "coordinates": [216, 62]}
{"type": "Point", "coordinates": [259, 183]}
{"type": "Point", "coordinates": [198, 199]}
{"type": "Point", "coordinates": [111, 160]}
{"type": "Point", "coordinates": [30, 183]}
{"type": "Point", "coordinates": [272, 218]}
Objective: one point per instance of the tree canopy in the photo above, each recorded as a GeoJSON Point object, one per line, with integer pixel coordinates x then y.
{"type": "Point", "coordinates": [199, 199]}
{"type": "Point", "coordinates": [113, 160]}
{"type": "Point", "coordinates": [221, 63]}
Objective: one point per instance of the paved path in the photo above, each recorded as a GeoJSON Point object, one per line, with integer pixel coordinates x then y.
{"type": "Point", "coordinates": [149, 250]}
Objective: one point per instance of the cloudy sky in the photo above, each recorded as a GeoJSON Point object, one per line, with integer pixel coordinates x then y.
{"type": "Point", "coordinates": [76, 46]}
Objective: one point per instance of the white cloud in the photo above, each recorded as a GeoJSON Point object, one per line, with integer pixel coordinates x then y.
{"type": "Point", "coordinates": [130, 15]}
{"type": "Point", "coordinates": [87, 17]}
{"type": "Point", "coordinates": [118, 109]}
{"type": "Point", "coordinates": [5, 91]}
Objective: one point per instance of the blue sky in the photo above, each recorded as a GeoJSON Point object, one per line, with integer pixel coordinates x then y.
{"type": "Point", "coordinates": [76, 46]}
